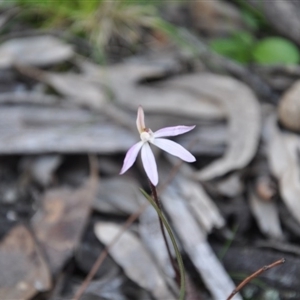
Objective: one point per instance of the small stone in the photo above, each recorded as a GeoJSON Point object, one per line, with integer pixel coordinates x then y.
{"type": "Point", "coordinates": [289, 108]}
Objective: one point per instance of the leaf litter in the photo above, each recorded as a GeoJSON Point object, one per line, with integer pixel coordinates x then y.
{"type": "Point", "coordinates": [193, 238]}
{"type": "Point", "coordinates": [37, 51]}
{"type": "Point", "coordinates": [25, 270]}
{"type": "Point", "coordinates": [266, 214]}
{"type": "Point", "coordinates": [283, 157]}
{"type": "Point", "coordinates": [131, 254]}
{"type": "Point", "coordinates": [59, 224]}
{"type": "Point", "coordinates": [93, 113]}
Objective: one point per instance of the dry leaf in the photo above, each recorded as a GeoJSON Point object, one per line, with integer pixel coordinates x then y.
{"type": "Point", "coordinates": [203, 207]}
{"type": "Point", "coordinates": [59, 223]}
{"type": "Point", "coordinates": [200, 204]}
{"type": "Point", "coordinates": [125, 82]}
{"type": "Point", "coordinates": [283, 149]}
{"type": "Point", "coordinates": [243, 112]}
{"type": "Point", "coordinates": [132, 256]}
{"type": "Point", "coordinates": [193, 215]}
{"type": "Point", "coordinates": [151, 235]}
{"type": "Point", "coordinates": [78, 88]}
{"type": "Point", "coordinates": [34, 129]}
{"type": "Point", "coordinates": [24, 270]}
{"type": "Point", "coordinates": [37, 51]}
{"type": "Point", "coordinates": [205, 139]}
{"type": "Point", "coordinates": [194, 242]}
{"type": "Point", "coordinates": [266, 215]}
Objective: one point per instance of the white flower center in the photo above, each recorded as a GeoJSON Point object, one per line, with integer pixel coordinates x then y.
{"type": "Point", "coordinates": [146, 136]}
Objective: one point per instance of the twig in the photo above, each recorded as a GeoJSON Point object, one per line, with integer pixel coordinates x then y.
{"type": "Point", "coordinates": [254, 275]}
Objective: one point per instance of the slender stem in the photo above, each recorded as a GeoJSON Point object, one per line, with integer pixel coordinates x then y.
{"type": "Point", "coordinates": [254, 275]}
{"type": "Point", "coordinates": [173, 262]}
{"type": "Point", "coordinates": [173, 240]}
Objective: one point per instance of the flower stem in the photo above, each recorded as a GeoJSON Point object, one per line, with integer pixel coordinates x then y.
{"type": "Point", "coordinates": [172, 237]}
{"type": "Point", "coordinates": [173, 262]}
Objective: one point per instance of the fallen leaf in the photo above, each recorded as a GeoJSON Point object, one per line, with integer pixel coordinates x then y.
{"type": "Point", "coordinates": [151, 235]}
{"type": "Point", "coordinates": [78, 88]}
{"type": "Point", "coordinates": [243, 113]}
{"type": "Point", "coordinates": [193, 215]}
{"type": "Point", "coordinates": [24, 270]}
{"type": "Point", "coordinates": [205, 139]}
{"type": "Point", "coordinates": [125, 81]}
{"type": "Point", "coordinates": [38, 51]}
{"type": "Point", "coordinates": [202, 207]}
{"type": "Point", "coordinates": [194, 242]}
{"type": "Point", "coordinates": [283, 149]}
{"type": "Point", "coordinates": [132, 256]}
{"type": "Point", "coordinates": [34, 129]}
{"type": "Point", "coordinates": [266, 215]}
{"type": "Point", "coordinates": [59, 223]}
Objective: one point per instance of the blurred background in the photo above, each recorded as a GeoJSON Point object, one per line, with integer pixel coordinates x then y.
{"type": "Point", "coordinates": [72, 75]}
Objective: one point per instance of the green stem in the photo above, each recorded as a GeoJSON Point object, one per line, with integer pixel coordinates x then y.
{"type": "Point", "coordinates": [173, 262]}
{"type": "Point", "coordinates": [172, 237]}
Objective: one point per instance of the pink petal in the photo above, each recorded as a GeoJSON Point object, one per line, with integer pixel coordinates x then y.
{"type": "Point", "coordinates": [130, 157]}
{"type": "Point", "coordinates": [149, 164]}
{"type": "Point", "coordinates": [140, 120]}
{"type": "Point", "coordinates": [172, 131]}
{"type": "Point", "coordinates": [174, 149]}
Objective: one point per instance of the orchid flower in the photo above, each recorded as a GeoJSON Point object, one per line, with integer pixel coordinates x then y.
{"type": "Point", "coordinates": [155, 138]}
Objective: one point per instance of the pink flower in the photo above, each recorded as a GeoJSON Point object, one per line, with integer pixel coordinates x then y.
{"type": "Point", "coordinates": [147, 136]}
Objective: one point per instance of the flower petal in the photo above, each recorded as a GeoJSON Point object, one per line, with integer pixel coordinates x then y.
{"type": "Point", "coordinates": [149, 163]}
{"type": "Point", "coordinates": [174, 149]}
{"type": "Point", "coordinates": [140, 120]}
{"type": "Point", "coordinates": [172, 131]}
{"type": "Point", "coordinates": [130, 157]}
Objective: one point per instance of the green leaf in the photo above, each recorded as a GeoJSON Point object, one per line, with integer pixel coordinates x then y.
{"type": "Point", "coordinates": [237, 47]}
{"type": "Point", "coordinates": [276, 50]}
{"type": "Point", "coordinates": [172, 237]}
